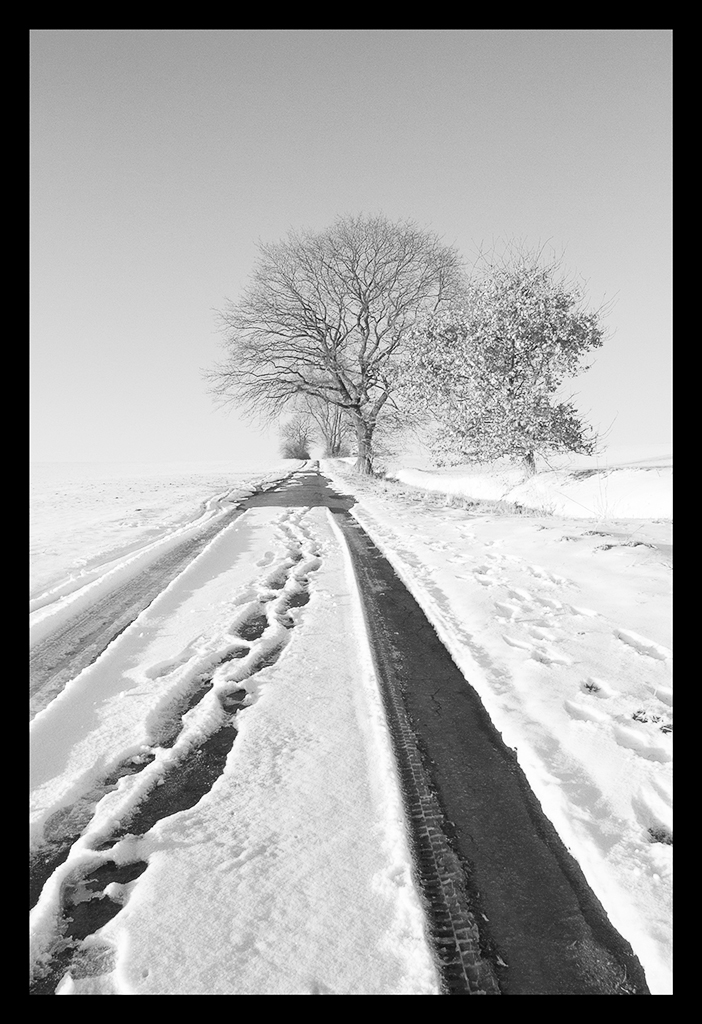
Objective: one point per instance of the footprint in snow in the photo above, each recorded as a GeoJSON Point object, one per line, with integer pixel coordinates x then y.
{"type": "Point", "coordinates": [549, 602]}
{"type": "Point", "coordinates": [550, 657]}
{"type": "Point", "coordinates": [643, 646]}
{"type": "Point", "coordinates": [513, 642]}
{"type": "Point", "coordinates": [652, 748]}
{"type": "Point", "coordinates": [597, 687]}
{"type": "Point", "coordinates": [585, 713]}
{"type": "Point", "coordinates": [252, 627]}
{"type": "Point", "coordinates": [483, 573]}
{"type": "Point", "coordinates": [664, 694]}
{"type": "Point", "coordinates": [548, 577]}
{"type": "Point", "coordinates": [506, 611]}
{"type": "Point", "coordinates": [541, 634]}
{"type": "Point", "coordinates": [541, 653]}
{"type": "Point", "coordinates": [653, 807]}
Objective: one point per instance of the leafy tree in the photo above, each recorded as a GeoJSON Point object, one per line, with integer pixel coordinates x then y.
{"type": "Point", "coordinates": [489, 373]}
{"type": "Point", "coordinates": [296, 438]}
{"type": "Point", "coordinates": [326, 317]}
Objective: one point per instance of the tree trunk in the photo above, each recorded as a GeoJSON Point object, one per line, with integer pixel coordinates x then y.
{"type": "Point", "coordinates": [530, 464]}
{"type": "Point", "coordinates": [335, 433]}
{"type": "Point", "coordinates": [364, 437]}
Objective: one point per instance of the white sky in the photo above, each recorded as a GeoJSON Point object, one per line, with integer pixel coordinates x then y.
{"type": "Point", "coordinates": [161, 157]}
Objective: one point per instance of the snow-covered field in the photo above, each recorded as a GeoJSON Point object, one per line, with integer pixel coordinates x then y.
{"type": "Point", "coordinates": [85, 515]}
{"type": "Point", "coordinates": [292, 874]}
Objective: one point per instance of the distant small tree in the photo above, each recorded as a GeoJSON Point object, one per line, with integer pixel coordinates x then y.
{"type": "Point", "coordinates": [296, 438]}
{"type": "Point", "coordinates": [489, 373]}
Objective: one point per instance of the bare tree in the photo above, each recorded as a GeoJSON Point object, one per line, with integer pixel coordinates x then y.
{"type": "Point", "coordinates": [333, 423]}
{"type": "Point", "coordinates": [296, 437]}
{"type": "Point", "coordinates": [326, 317]}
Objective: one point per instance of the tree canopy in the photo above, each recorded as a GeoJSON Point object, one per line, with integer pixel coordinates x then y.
{"type": "Point", "coordinates": [489, 373]}
{"type": "Point", "coordinates": [327, 315]}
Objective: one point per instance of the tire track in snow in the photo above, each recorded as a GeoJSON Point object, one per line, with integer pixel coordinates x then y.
{"type": "Point", "coordinates": [78, 642]}
{"type": "Point", "coordinates": [82, 865]}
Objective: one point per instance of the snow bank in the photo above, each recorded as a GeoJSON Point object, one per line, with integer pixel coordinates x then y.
{"type": "Point", "coordinates": [633, 483]}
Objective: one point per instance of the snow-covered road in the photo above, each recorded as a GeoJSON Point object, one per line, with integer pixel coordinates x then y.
{"type": "Point", "coordinates": [250, 680]}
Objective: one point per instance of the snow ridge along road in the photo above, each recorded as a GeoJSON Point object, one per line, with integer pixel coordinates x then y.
{"type": "Point", "coordinates": [507, 909]}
